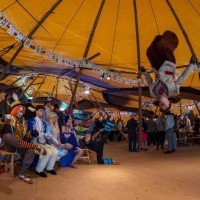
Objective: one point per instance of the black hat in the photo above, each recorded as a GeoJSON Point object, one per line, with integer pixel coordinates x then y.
{"type": "Point", "coordinates": [39, 107]}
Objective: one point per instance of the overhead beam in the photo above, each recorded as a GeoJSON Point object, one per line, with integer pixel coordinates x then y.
{"type": "Point", "coordinates": [29, 36]}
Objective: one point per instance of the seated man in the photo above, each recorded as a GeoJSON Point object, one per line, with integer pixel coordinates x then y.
{"type": "Point", "coordinates": [48, 161]}
{"type": "Point", "coordinates": [13, 143]}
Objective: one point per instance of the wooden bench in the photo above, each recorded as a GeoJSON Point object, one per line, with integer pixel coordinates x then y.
{"type": "Point", "coordinates": [86, 155]}
{"type": "Point", "coordinates": [8, 162]}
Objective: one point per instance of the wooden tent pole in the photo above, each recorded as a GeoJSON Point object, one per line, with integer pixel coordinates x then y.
{"type": "Point", "coordinates": [181, 27]}
{"type": "Point", "coordinates": [39, 88]}
{"type": "Point", "coordinates": [56, 96]}
{"type": "Point", "coordinates": [11, 84]}
{"type": "Point", "coordinates": [183, 30]}
{"type": "Point", "coordinates": [85, 55]}
{"type": "Point", "coordinates": [180, 106]}
{"type": "Point", "coordinates": [195, 103]}
{"type": "Point", "coordinates": [25, 90]}
{"type": "Point", "coordinates": [96, 106]}
{"type": "Point", "coordinates": [139, 72]}
{"type": "Point", "coordinates": [75, 101]}
{"type": "Point", "coordinates": [29, 36]}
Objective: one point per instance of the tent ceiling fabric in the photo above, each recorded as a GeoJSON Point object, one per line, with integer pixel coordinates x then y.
{"type": "Point", "coordinates": [66, 32]}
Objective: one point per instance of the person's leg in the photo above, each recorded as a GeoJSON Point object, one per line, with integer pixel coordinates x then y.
{"type": "Point", "coordinates": [168, 136]}
{"type": "Point", "coordinates": [157, 140]}
{"type": "Point", "coordinates": [100, 155]}
{"type": "Point", "coordinates": [134, 143]}
{"type": "Point", "coordinates": [162, 139]}
{"type": "Point", "coordinates": [28, 155]}
{"type": "Point", "coordinates": [145, 145]}
{"type": "Point", "coordinates": [130, 143]}
{"type": "Point", "coordinates": [174, 141]}
{"type": "Point", "coordinates": [79, 152]}
{"type": "Point", "coordinates": [52, 159]}
{"type": "Point", "coordinates": [43, 159]}
{"type": "Point", "coordinates": [181, 79]}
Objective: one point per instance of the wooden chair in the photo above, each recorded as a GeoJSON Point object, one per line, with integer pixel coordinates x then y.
{"type": "Point", "coordinates": [8, 162]}
{"type": "Point", "coordinates": [85, 155]}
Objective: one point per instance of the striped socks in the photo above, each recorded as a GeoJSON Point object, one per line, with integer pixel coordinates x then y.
{"type": "Point", "coordinates": [26, 145]}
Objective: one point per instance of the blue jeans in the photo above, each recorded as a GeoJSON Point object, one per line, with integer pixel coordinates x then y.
{"type": "Point", "coordinates": [171, 138]}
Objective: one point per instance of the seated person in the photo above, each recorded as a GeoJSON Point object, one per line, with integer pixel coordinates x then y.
{"type": "Point", "coordinates": [48, 161]}
{"type": "Point", "coordinates": [13, 143]}
{"type": "Point", "coordinates": [54, 140]}
{"type": "Point", "coordinates": [68, 137]}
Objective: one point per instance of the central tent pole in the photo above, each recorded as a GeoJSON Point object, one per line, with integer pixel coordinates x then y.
{"type": "Point", "coordinates": [29, 36]}
{"type": "Point", "coordinates": [85, 56]}
{"type": "Point", "coordinates": [139, 72]}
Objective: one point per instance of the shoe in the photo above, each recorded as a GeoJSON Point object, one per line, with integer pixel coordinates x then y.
{"type": "Point", "coordinates": [167, 152]}
{"type": "Point", "coordinates": [173, 150]}
{"type": "Point", "coordinates": [25, 179]}
{"type": "Point", "coordinates": [53, 172]}
{"type": "Point", "coordinates": [146, 149]}
{"type": "Point", "coordinates": [42, 174]}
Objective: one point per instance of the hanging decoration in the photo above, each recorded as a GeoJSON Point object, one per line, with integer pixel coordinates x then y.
{"type": "Point", "coordinates": [50, 55]}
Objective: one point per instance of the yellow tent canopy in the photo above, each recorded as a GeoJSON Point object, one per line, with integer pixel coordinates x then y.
{"type": "Point", "coordinates": [67, 30]}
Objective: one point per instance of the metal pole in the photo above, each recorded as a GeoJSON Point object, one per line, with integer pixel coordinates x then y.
{"type": "Point", "coordinates": [86, 54]}
{"type": "Point", "coordinates": [195, 103]}
{"type": "Point", "coordinates": [139, 72]}
{"type": "Point", "coordinates": [29, 36]}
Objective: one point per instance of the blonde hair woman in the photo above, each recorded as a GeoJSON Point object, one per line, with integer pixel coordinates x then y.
{"type": "Point", "coordinates": [55, 139]}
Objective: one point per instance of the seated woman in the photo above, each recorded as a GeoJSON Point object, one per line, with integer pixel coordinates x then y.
{"type": "Point", "coordinates": [68, 137]}
{"type": "Point", "coordinates": [54, 140]}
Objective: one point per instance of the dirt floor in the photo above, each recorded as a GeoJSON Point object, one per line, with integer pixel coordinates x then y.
{"type": "Point", "coordinates": [150, 175]}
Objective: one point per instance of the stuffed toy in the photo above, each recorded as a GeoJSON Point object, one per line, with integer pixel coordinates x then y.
{"type": "Point", "coordinates": [161, 57]}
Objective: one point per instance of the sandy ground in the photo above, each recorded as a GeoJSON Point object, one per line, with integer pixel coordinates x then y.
{"type": "Point", "coordinates": [149, 175]}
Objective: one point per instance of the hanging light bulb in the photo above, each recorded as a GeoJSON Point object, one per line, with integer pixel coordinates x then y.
{"type": "Point", "coordinates": [108, 77]}
{"type": "Point", "coordinates": [102, 76]}
{"type": "Point", "coordinates": [87, 90]}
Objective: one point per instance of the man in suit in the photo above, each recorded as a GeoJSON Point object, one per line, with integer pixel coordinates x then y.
{"type": "Point", "coordinates": [48, 161]}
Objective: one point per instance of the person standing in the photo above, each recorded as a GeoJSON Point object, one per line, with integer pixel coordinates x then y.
{"type": "Point", "coordinates": [160, 135]}
{"type": "Point", "coordinates": [132, 135]}
{"type": "Point", "coordinates": [169, 131]}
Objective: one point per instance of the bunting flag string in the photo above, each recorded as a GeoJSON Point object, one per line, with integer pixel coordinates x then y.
{"type": "Point", "coordinates": [50, 55]}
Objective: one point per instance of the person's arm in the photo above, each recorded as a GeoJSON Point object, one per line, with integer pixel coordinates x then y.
{"type": "Point", "coordinates": [188, 70]}
{"type": "Point", "coordinates": [96, 134]}
{"type": "Point", "coordinates": [148, 78]}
